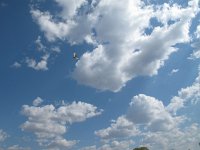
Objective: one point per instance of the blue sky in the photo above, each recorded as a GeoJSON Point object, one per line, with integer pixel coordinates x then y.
{"type": "Point", "coordinates": [136, 82]}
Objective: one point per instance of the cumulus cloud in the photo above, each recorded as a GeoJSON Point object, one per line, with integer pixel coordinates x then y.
{"type": "Point", "coordinates": [158, 126]}
{"type": "Point", "coordinates": [190, 94]}
{"type": "Point", "coordinates": [150, 111]}
{"type": "Point", "coordinates": [110, 66]}
{"type": "Point", "coordinates": [196, 45]}
{"type": "Point", "coordinates": [119, 128]}
{"type": "Point", "coordinates": [50, 123]}
{"type": "Point", "coordinates": [52, 29]}
{"type": "Point", "coordinates": [40, 65]}
{"type": "Point", "coordinates": [144, 111]}
{"type": "Point", "coordinates": [123, 49]}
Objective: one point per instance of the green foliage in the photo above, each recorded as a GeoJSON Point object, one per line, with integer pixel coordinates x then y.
{"type": "Point", "coordinates": [141, 148]}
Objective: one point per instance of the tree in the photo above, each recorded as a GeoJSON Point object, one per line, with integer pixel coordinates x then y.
{"type": "Point", "coordinates": [141, 148]}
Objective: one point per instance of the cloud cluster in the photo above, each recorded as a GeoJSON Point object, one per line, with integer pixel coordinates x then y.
{"type": "Point", "coordinates": [50, 123]}
{"type": "Point", "coordinates": [127, 41]}
{"type": "Point", "coordinates": [158, 126]}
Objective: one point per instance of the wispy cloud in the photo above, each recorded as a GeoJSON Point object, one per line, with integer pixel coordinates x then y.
{"type": "Point", "coordinates": [173, 71]}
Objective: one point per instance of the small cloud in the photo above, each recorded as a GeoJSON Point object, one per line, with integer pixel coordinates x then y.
{"type": "Point", "coordinates": [173, 71]}
{"type": "Point", "coordinates": [39, 45]}
{"type": "Point", "coordinates": [41, 65]}
{"type": "Point", "coordinates": [56, 49]}
{"type": "Point", "coordinates": [37, 101]}
{"type": "Point", "coordinates": [195, 55]}
{"type": "Point", "coordinates": [16, 65]}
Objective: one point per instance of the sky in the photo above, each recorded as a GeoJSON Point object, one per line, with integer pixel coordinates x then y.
{"type": "Point", "coordinates": [136, 81]}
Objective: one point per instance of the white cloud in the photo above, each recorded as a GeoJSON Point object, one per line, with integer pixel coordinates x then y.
{"type": "Point", "coordinates": [188, 138]}
{"type": "Point", "coordinates": [16, 65]}
{"type": "Point", "coordinates": [173, 71]}
{"type": "Point", "coordinates": [175, 126]}
{"type": "Point", "coordinates": [70, 7]}
{"type": "Point", "coordinates": [49, 123]}
{"type": "Point", "coordinates": [119, 128]}
{"type": "Point", "coordinates": [37, 101]}
{"type": "Point", "coordinates": [195, 54]}
{"type": "Point", "coordinates": [122, 26]}
{"type": "Point", "coordinates": [56, 49]}
{"type": "Point", "coordinates": [189, 94]}
{"type": "Point", "coordinates": [150, 111]}
{"type": "Point", "coordinates": [41, 65]}
{"type": "Point", "coordinates": [114, 145]}
{"type": "Point", "coordinates": [51, 28]}
{"type": "Point", "coordinates": [111, 66]}
{"type": "Point", "coordinates": [197, 33]}
{"type": "Point", "coordinates": [39, 45]}
{"type": "Point", "coordinates": [3, 135]}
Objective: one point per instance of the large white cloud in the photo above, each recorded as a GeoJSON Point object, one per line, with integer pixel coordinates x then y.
{"type": "Point", "coordinates": [123, 49]}
{"type": "Point", "coordinates": [129, 52]}
{"type": "Point", "coordinates": [49, 123]}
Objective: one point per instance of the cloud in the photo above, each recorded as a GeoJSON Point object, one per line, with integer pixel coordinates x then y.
{"type": "Point", "coordinates": [56, 49]}
{"type": "Point", "coordinates": [173, 71]}
{"type": "Point", "coordinates": [3, 135]}
{"type": "Point", "coordinates": [123, 49]}
{"type": "Point", "coordinates": [50, 123]}
{"type": "Point", "coordinates": [144, 111]}
{"type": "Point", "coordinates": [70, 7]}
{"type": "Point", "coordinates": [196, 45]}
{"type": "Point", "coordinates": [197, 33]}
{"type": "Point", "coordinates": [16, 65]}
{"type": "Point", "coordinates": [39, 45]}
{"type": "Point", "coordinates": [51, 29]}
{"type": "Point", "coordinates": [40, 65]}
{"type": "Point", "coordinates": [119, 128]}
{"type": "Point", "coordinates": [187, 138]}
{"type": "Point", "coordinates": [37, 101]}
{"type": "Point", "coordinates": [158, 126]}
{"type": "Point", "coordinates": [114, 145]}
{"type": "Point", "coordinates": [110, 66]}
{"type": "Point", "coordinates": [189, 94]}
{"type": "Point", "coordinates": [150, 111]}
